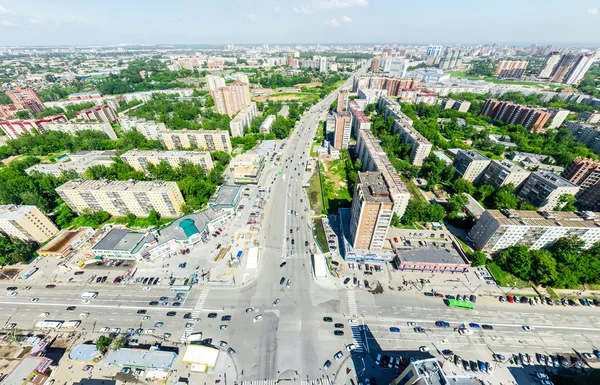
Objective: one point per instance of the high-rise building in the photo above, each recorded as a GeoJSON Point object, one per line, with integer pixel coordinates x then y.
{"type": "Point", "coordinates": [420, 147]}
{"type": "Point", "coordinates": [149, 128]}
{"type": "Point", "coordinates": [342, 101]}
{"type": "Point", "coordinates": [470, 164]}
{"type": "Point", "coordinates": [585, 173]}
{"type": "Point", "coordinates": [498, 229]}
{"type": "Point", "coordinates": [549, 65]}
{"type": "Point", "coordinates": [433, 55]}
{"type": "Point", "coordinates": [360, 121]}
{"type": "Point", "coordinates": [323, 64]}
{"type": "Point", "coordinates": [119, 198]}
{"type": "Point", "coordinates": [290, 61]}
{"type": "Point", "coordinates": [557, 117]}
{"type": "Point", "coordinates": [375, 64]}
{"type": "Point", "coordinates": [243, 119]}
{"type": "Point", "coordinates": [587, 134]}
{"type": "Point", "coordinates": [27, 223]}
{"type": "Point", "coordinates": [503, 172]}
{"type": "Point", "coordinates": [581, 66]}
{"type": "Point", "coordinates": [26, 99]}
{"type": "Point", "coordinates": [343, 126]}
{"type": "Point", "coordinates": [139, 159]}
{"type": "Point", "coordinates": [214, 82]}
{"type": "Point", "coordinates": [241, 77]}
{"type": "Point", "coordinates": [371, 213]}
{"type": "Point", "coordinates": [532, 118]}
{"type": "Point", "coordinates": [452, 59]}
{"type": "Point", "coordinates": [543, 189]}
{"type": "Point", "coordinates": [513, 69]}
{"type": "Point", "coordinates": [230, 99]}
{"type": "Point", "coordinates": [200, 139]}
{"type": "Point", "coordinates": [563, 67]}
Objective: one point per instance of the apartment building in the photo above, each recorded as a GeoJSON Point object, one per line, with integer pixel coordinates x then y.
{"type": "Point", "coordinates": [140, 159]}
{"type": "Point", "coordinates": [567, 68]}
{"type": "Point", "coordinates": [243, 119]}
{"type": "Point", "coordinates": [503, 172]}
{"type": "Point", "coordinates": [420, 147]}
{"type": "Point", "coordinates": [72, 128]}
{"type": "Point", "coordinates": [360, 121]}
{"type": "Point", "coordinates": [371, 212]}
{"type": "Point", "coordinates": [145, 96]}
{"type": "Point", "coordinates": [391, 108]}
{"type": "Point", "coordinates": [342, 101]}
{"type": "Point", "coordinates": [532, 118]}
{"type": "Point", "coordinates": [27, 223]}
{"type": "Point", "coordinates": [15, 128]}
{"type": "Point", "coordinates": [543, 189]}
{"type": "Point", "coordinates": [200, 139]}
{"type": "Point", "coordinates": [549, 65]}
{"type": "Point", "coordinates": [231, 99]}
{"type": "Point", "coordinates": [103, 113]}
{"type": "Point", "coordinates": [499, 229]}
{"type": "Point", "coordinates": [26, 99]}
{"type": "Point", "coordinates": [342, 126]}
{"type": "Point", "coordinates": [77, 96]}
{"type": "Point", "coordinates": [265, 127]}
{"type": "Point", "coordinates": [214, 82]}
{"type": "Point", "coordinates": [241, 77]}
{"type": "Point", "coordinates": [119, 198]}
{"type": "Point", "coordinates": [392, 85]}
{"type": "Point", "coordinates": [458, 105]}
{"type": "Point", "coordinates": [557, 117]}
{"type": "Point", "coordinates": [590, 117]}
{"type": "Point", "coordinates": [587, 134]}
{"type": "Point", "coordinates": [471, 165]}
{"type": "Point", "coordinates": [373, 158]}
{"type": "Point", "coordinates": [513, 69]}
{"type": "Point", "coordinates": [149, 128]}
{"type": "Point", "coordinates": [78, 162]}
{"type": "Point", "coordinates": [585, 173]}
{"type": "Point", "coordinates": [369, 95]}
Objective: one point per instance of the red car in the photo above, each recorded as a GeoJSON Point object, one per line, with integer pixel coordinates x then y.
{"type": "Point", "coordinates": [50, 286]}
{"type": "Point", "coordinates": [396, 240]}
{"type": "Point", "coordinates": [511, 299]}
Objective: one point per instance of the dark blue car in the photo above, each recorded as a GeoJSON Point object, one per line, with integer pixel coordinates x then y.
{"type": "Point", "coordinates": [442, 324]}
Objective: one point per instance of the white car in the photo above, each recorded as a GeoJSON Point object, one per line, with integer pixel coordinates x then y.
{"type": "Point", "coordinates": [423, 349]}
{"type": "Point", "coordinates": [546, 382]}
{"type": "Point", "coordinates": [411, 323]}
{"type": "Point", "coordinates": [147, 288]}
{"type": "Point", "coordinates": [249, 310]}
{"type": "Point", "coordinates": [10, 326]}
{"type": "Point", "coordinates": [257, 318]}
{"type": "Point", "coordinates": [543, 376]}
{"type": "Point", "coordinates": [83, 315]}
{"type": "Point", "coordinates": [350, 347]}
{"type": "Point", "coordinates": [116, 330]}
{"type": "Point", "coordinates": [145, 318]}
{"type": "Point", "coordinates": [149, 331]}
{"type": "Point", "coordinates": [44, 314]}
{"type": "Point", "coordinates": [223, 327]}
{"type": "Point", "coordinates": [13, 293]}
{"type": "Point", "coordinates": [527, 328]}
{"type": "Point", "coordinates": [353, 321]}
{"type": "Point", "coordinates": [34, 300]}
{"type": "Point", "coordinates": [338, 355]}
{"type": "Point", "coordinates": [85, 301]}
{"type": "Point", "coordinates": [104, 330]}
{"type": "Point", "coordinates": [465, 332]}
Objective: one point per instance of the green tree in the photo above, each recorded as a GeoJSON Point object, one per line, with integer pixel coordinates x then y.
{"type": "Point", "coordinates": [64, 216]}
{"type": "Point", "coordinates": [130, 217]}
{"type": "Point", "coordinates": [566, 202]}
{"type": "Point", "coordinates": [462, 186]}
{"type": "Point", "coordinates": [186, 209]}
{"type": "Point", "coordinates": [478, 258]}
{"type": "Point", "coordinates": [516, 260]}
{"type": "Point", "coordinates": [102, 343]}
{"type": "Point", "coordinates": [118, 343]}
{"type": "Point", "coordinates": [23, 114]}
{"type": "Point", "coordinates": [153, 218]}
{"type": "Point", "coordinates": [544, 267]}
{"type": "Point", "coordinates": [395, 220]}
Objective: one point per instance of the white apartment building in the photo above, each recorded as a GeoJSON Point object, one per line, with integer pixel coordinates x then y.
{"type": "Point", "coordinates": [243, 119]}
{"type": "Point", "coordinates": [119, 198]}
{"type": "Point", "coordinates": [241, 77]}
{"type": "Point", "coordinates": [499, 229]}
{"type": "Point", "coordinates": [200, 139]}
{"type": "Point", "coordinates": [265, 127]}
{"type": "Point", "coordinates": [420, 146]}
{"type": "Point", "coordinates": [139, 159]}
{"type": "Point", "coordinates": [557, 117]}
{"type": "Point", "coordinates": [149, 128]}
{"type": "Point", "coordinates": [543, 189]}
{"type": "Point", "coordinates": [72, 128]}
{"type": "Point", "coordinates": [27, 223]}
{"type": "Point", "coordinates": [214, 82]}
{"type": "Point", "coordinates": [503, 172]}
{"type": "Point", "coordinates": [145, 96]}
{"type": "Point", "coordinates": [78, 162]}
{"type": "Point", "coordinates": [470, 164]}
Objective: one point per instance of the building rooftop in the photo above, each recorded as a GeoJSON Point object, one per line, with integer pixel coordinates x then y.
{"type": "Point", "coordinates": [583, 219]}
{"type": "Point", "coordinates": [24, 369]}
{"type": "Point", "coordinates": [140, 358]}
{"type": "Point", "coordinates": [552, 179]}
{"type": "Point", "coordinates": [165, 154]}
{"type": "Point", "coordinates": [118, 185]}
{"type": "Point", "coordinates": [373, 187]}
{"type": "Point", "coordinates": [431, 255]}
{"type": "Point", "coordinates": [85, 353]}
{"type": "Point", "coordinates": [119, 240]}
{"type": "Point", "coordinates": [472, 154]}
{"type": "Point", "coordinates": [225, 195]}
{"type": "Point", "coordinates": [80, 162]}
{"type": "Point", "coordinates": [10, 212]}
{"type": "Point", "coordinates": [509, 165]}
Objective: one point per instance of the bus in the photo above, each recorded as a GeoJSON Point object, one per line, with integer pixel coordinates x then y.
{"type": "Point", "coordinates": [30, 272]}
{"type": "Point", "coordinates": [49, 324]}
{"type": "Point", "coordinates": [89, 294]}
{"type": "Point", "coordinates": [180, 289]}
{"type": "Point", "coordinates": [460, 304]}
{"type": "Point", "coordinates": [70, 325]}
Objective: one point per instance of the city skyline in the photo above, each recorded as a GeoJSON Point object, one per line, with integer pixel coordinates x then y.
{"type": "Point", "coordinates": [73, 22]}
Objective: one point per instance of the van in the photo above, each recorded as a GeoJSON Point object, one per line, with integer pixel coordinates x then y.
{"type": "Point", "coordinates": [378, 359]}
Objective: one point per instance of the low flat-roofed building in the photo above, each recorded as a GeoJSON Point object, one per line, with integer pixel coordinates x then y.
{"type": "Point", "coordinates": [65, 242]}
{"type": "Point", "coordinates": [430, 260]}
{"type": "Point", "coordinates": [226, 198]}
{"type": "Point", "coordinates": [121, 244]}
{"type": "Point", "coordinates": [85, 353]}
{"type": "Point", "coordinates": [430, 372]}
{"type": "Point", "coordinates": [247, 167]}
{"type": "Point", "coordinates": [152, 358]}
{"type": "Point", "coordinates": [30, 371]}
{"type": "Point", "coordinates": [443, 157]}
{"type": "Point", "coordinates": [79, 162]}
{"type": "Point", "coordinates": [201, 358]}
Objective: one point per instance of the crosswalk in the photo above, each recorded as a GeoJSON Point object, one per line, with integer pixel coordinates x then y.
{"type": "Point", "coordinates": [352, 307]}
{"type": "Point", "coordinates": [196, 312]}
{"type": "Point", "coordinates": [358, 339]}
{"type": "Point", "coordinates": [319, 381]}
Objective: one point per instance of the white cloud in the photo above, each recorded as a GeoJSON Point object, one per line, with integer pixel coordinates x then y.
{"type": "Point", "coordinates": [593, 11]}
{"type": "Point", "coordinates": [6, 23]}
{"type": "Point", "coordinates": [276, 9]}
{"type": "Point", "coordinates": [343, 3]}
{"type": "Point", "coordinates": [333, 22]}
{"type": "Point", "coordinates": [346, 19]}
{"type": "Point", "coordinates": [304, 10]}
{"type": "Point", "coordinates": [252, 17]}
{"type": "Point", "coordinates": [33, 20]}
{"type": "Point", "coordinates": [4, 10]}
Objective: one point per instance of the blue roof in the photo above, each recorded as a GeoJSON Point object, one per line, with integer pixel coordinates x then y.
{"type": "Point", "coordinates": [189, 227]}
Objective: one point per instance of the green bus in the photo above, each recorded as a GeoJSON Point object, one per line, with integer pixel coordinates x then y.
{"type": "Point", "coordinates": [460, 304]}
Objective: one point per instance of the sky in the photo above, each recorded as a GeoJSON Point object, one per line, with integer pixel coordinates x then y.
{"type": "Point", "coordinates": [108, 22]}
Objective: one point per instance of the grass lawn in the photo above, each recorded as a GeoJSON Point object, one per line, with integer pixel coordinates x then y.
{"type": "Point", "coordinates": [314, 194]}
{"type": "Point", "coordinates": [506, 279]}
{"type": "Point", "coordinates": [335, 185]}
{"type": "Point", "coordinates": [414, 190]}
{"type": "Point", "coordinates": [320, 234]}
